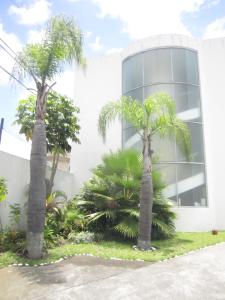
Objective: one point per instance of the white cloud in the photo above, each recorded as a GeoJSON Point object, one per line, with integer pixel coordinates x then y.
{"type": "Point", "coordinates": [5, 60]}
{"type": "Point", "coordinates": [35, 36]}
{"type": "Point", "coordinates": [215, 29]}
{"type": "Point", "coordinates": [142, 18]}
{"type": "Point", "coordinates": [113, 50]}
{"type": "Point", "coordinates": [211, 3]}
{"type": "Point", "coordinates": [96, 45]}
{"type": "Point", "coordinates": [35, 13]}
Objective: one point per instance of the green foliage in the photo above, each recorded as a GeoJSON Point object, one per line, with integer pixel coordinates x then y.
{"type": "Point", "coordinates": [54, 201]}
{"type": "Point", "coordinates": [60, 119]}
{"type": "Point", "coordinates": [3, 189]}
{"type": "Point", "coordinates": [62, 43]}
{"type": "Point", "coordinates": [74, 219]}
{"type": "Point", "coordinates": [157, 115]}
{"type": "Point", "coordinates": [81, 237]}
{"type": "Point", "coordinates": [111, 198]}
{"type": "Point", "coordinates": [62, 217]}
{"type": "Point", "coordinates": [12, 240]}
{"type": "Point", "coordinates": [15, 214]}
{"type": "Point", "coordinates": [61, 126]}
{"type": "Point", "coordinates": [50, 239]}
{"type": "Point", "coordinates": [54, 216]}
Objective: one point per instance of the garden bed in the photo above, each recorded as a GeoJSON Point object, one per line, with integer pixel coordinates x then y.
{"type": "Point", "coordinates": [182, 243]}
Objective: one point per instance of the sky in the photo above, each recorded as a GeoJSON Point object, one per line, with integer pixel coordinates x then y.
{"type": "Point", "coordinates": [107, 26]}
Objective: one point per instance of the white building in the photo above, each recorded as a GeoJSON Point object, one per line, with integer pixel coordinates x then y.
{"type": "Point", "coordinates": [192, 72]}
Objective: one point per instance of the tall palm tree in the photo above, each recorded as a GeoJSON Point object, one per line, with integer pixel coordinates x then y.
{"type": "Point", "coordinates": [61, 44]}
{"type": "Point", "coordinates": [156, 116]}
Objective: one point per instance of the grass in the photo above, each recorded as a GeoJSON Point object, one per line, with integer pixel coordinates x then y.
{"type": "Point", "coordinates": [180, 244]}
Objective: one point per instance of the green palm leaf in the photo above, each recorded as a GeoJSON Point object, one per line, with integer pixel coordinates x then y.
{"type": "Point", "coordinates": [128, 228]}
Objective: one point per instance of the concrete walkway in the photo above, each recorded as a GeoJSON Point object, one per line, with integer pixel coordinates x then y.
{"type": "Point", "coordinates": [200, 275]}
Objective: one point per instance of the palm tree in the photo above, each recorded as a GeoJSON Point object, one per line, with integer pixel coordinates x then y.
{"type": "Point", "coordinates": [156, 116]}
{"type": "Point", "coordinates": [61, 44]}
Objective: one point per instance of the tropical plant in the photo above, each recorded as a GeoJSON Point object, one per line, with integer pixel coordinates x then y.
{"type": "Point", "coordinates": [15, 214]}
{"type": "Point", "coordinates": [42, 62]}
{"type": "Point", "coordinates": [156, 116]}
{"type": "Point", "coordinates": [110, 199]}
{"type": "Point", "coordinates": [62, 217]}
{"type": "Point", "coordinates": [54, 201]}
{"type": "Point", "coordinates": [3, 189]}
{"type": "Point", "coordinates": [74, 219]}
{"type": "Point", "coordinates": [11, 240]}
{"type": "Point", "coordinates": [61, 126]}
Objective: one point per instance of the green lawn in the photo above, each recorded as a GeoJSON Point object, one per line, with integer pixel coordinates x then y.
{"type": "Point", "coordinates": [182, 243]}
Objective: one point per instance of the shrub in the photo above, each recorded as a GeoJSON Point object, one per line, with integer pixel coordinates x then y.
{"type": "Point", "coordinates": [62, 218]}
{"type": "Point", "coordinates": [12, 240]}
{"type": "Point", "coordinates": [81, 237]}
{"type": "Point", "coordinates": [74, 219]}
{"type": "Point", "coordinates": [111, 198]}
{"type": "Point", "coordinates": [15, 214]}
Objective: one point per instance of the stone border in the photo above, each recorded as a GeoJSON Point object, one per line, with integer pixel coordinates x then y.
{"type": "Point", "coordinates": [111, 258]}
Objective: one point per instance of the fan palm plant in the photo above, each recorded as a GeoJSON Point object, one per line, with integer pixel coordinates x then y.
{"type": "Point", "coordinates": [110, 199]}
{"type": "Point", "coordinates": [156, 116]}
{"type": "Point", "coordinates": [41, 62]}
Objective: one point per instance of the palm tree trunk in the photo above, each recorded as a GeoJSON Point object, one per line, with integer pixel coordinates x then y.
{"type": "Point", "coordinates": [36, 203]}
{"type": "Point", "coordinates": [146, 198]}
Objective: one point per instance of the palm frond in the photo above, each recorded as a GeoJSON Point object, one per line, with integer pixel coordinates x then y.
{"type": "Point", "coordinates": [127, 108]}
{"type": "Point", "coordinates": [183, 137]}
{"type": "Point", "coordinates": [104, 197]}
{"type": "Point", "coordinates": [62, 43]}
{"type": "Point", "coordinates": [159, 104]}
{"type": "Point", "coordinates": [165, 122]}
{"type": "Point", "coordinates": [84, 203]}
{"type": "Point", "coordinates": [128, 228]}
{"type": "Point", "coordinates": [131, 212]}
{"type": "Point", "coordinates": [108, 114]}
{"type": "Point", "coordinates": [109, 214]}
{"type": "Point", "coordinates": [167, 230]}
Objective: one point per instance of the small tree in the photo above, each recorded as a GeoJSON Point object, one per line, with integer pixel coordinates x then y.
{"type": "Point", "coordinates": [61, 126]}
{"type": "Point", "coordinates": [156, 116]}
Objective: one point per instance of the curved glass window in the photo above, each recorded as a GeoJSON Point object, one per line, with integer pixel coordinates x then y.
{"type": "Point", "coordinates": [174, 71]}
{"type": "Point", "coordinates": [186, 97]}
{"type": "Point", "coordinates": [157, 66]}
{"type": "Point", "coordinates": [185, 66]}
{"type": "Point", "coordinates": [132, 74]}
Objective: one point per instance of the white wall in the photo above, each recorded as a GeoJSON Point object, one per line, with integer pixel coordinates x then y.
{"type": "Point", "coordinates": [16, 171]}
{"type": "Point", "coordinates": [194, 219]}
{"type": "Point", "coordinates": [212, 66]}
{"type": "Point", "coordinates": [99, 84]}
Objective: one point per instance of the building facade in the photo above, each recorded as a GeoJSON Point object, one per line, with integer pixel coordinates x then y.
{"type": "Point", "coordinates": [189, 70]}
